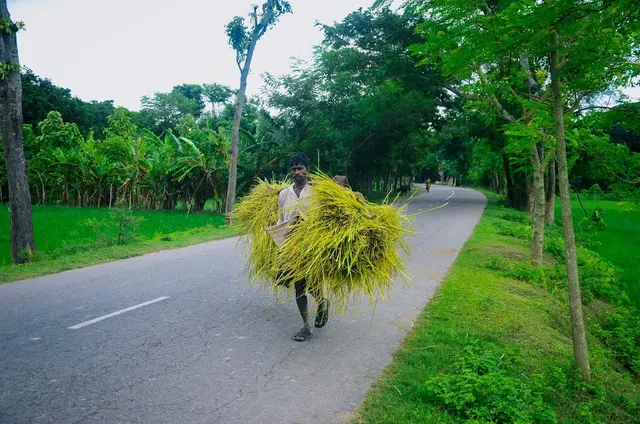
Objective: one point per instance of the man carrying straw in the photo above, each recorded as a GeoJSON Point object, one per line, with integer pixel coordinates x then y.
{"type": "Point", "coordinates": [292, 201]}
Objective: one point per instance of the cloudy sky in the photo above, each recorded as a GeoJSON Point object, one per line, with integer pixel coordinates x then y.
{"type": "Point", "coordinates": [125, 49]}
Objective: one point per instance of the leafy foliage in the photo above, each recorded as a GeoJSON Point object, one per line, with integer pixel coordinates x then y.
{"type": "Point", "coordinates": [40, 96]}
{"type": "Point", "coordinates": [482, 388]}
{"type": "Point", "coordinates": [363, 108]}
{"type": "Point", "coordinates": [617, 326]}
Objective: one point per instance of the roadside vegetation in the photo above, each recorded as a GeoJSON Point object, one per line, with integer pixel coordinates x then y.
{"type": "Point", "coordinates": [494, 344]}
{"type": "Point", "coordinates": [71, 237]}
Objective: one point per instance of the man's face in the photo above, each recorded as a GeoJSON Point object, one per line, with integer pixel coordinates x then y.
{"type": "Point", "coordinates": [299, 173]}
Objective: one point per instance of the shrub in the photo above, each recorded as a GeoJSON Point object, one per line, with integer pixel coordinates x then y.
{"type": "Point", "coordinates": [482, 387]}
{"type": "Point", "coordinates": [516, 217]}
{"type": "Point", "coordinates": [513, 229]}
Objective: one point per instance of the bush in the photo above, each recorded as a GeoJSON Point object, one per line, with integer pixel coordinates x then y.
{"type": "Point", "coordinates": [620, 331]}
{"type": "Point", "coordinates": [594, 192]}
{"type": "Point", "coordinates": [551, 278]}
{"type": "Point", "coordinates": [482, 388]}
{"type": "Point", "coordinates": [599, 278]}
{"type": "Point", "coordinates": [618, 195]}
{"type": "Point", "coordinates": [127, 227]}
{"type": "Point", "coordinates": [516, 217]}
{"type": "Point", "coordinates": [121, 229]}
{"type": "Point", "coordinates": [513, 229]}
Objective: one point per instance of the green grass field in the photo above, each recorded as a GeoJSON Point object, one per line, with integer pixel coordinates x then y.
{"type": "Point", "coordinates": [492, 347]}
{"type": "Point", "coordinates": [66, 240]}
{"type": "Point", "coordinates": [619, 243]}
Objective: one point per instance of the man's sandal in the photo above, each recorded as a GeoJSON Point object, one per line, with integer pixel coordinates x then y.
{"type": "Point", "coordinates": [303, 335]}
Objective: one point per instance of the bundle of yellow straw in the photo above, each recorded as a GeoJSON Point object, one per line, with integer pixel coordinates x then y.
{"type": "Point", "coordinates": [344, 247]}
{"type": "Point", "coordinates": [257, 211]}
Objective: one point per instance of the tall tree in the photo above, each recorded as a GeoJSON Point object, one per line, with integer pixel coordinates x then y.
{"type": "Point", "coordinates": [469, 42]}
{"type": "Point", "coordinates": [243, 39]}
{"type": "Point", "coordinates": [165, 110]}
{"type": "Point", "coordinates": [40, 96]}
{"type": "Point", "coordinates": [193, 92]}
{"type": "Point", "coordinates": [593, 46]}
{"type": "Point", "coordinates": [22, 239]}
{"type": "Point", "coordinates": [217, 94]}
{"type": "Point", "coordinates": [587, 47]}
{"type": "Point", "coordinates": [364, 108]}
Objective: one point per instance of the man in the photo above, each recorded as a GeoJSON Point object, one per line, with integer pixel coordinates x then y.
{"type": "Point", "coordinates": [292, 201]}
{"type": "Point", "coordinates": [341, 180]}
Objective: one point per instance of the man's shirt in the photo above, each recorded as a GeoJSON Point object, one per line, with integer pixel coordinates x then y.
{"type": "Point", "coordinates": [290, 204]}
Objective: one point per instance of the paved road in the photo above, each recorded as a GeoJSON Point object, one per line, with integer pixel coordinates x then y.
{"type": "Point", "coordinates": [209, 349]}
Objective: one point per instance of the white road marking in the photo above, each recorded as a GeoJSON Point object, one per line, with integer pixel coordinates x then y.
{"type": "Point", "coordinates": [113, 314]}
{"type": "Point", "coordinates": [452, 193]}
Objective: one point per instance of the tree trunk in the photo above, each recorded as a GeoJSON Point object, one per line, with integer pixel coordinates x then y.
{"type": "Point", "coordinates": [537, 225]}
{"type": "Point", "coordinates": [529, 204]}
{"type": "Point", "coordinates": [580, 350]}
{"type": "Point", "coordinates": [258, 32]}
{"type": "Point", "coordinates": [233, 167]}
{"type": "Point", "coordinates": [510, 186]}
{"type": "Point", "coordinates": [22, 239]}
{"type": "Point", "coordinates": [550, 201]}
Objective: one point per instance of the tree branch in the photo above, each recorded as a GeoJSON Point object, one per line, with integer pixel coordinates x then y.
{"type": "Point", "coordinates": [459, 93]}
{"type": "Point", "coordinates": [620, 109]}
{"type": "Point", "coordinates": [635, 183]}
{"type": "Point", "coordinates": [580, 201]}
{"type": "Point", "coordinates": [494, 100]}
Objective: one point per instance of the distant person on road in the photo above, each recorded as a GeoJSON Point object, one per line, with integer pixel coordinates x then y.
{"type": "Point", "coordinates": [428, 184]}
{"type": "Point", "coordinates": [292, 201]}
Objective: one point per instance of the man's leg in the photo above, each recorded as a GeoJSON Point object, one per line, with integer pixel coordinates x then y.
{"type": "Point", "coordinates": [322, 316]}
{"type": "Point", "coordinates": [302, 302]}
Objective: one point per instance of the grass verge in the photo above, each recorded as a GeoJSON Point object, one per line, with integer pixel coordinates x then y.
{"type": "Point", "coordinates": [69, 238]}
{"type": "Point", "coordinates": [619, 243]}
{"type": "Point", "coordinates": [494, 346]}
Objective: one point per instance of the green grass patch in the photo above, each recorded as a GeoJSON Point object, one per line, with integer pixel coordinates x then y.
{"type": "Point", "coordinates": [619, 242]}
{"type": "Point", "coordinates": [494, 345]}
{"type": "Point", "coordinates": [69, 238]}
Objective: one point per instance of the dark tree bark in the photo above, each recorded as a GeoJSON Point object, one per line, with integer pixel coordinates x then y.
{"type": "Point", "coordinates": [510, 186]}
{"type": "Point", "coordinates": [22, 239]}
{"type": "Point", "coordinates": [550, 202]}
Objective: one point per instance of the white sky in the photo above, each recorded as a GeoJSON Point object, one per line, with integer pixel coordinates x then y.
{"type": "Point", "coordinates": [122, 50]}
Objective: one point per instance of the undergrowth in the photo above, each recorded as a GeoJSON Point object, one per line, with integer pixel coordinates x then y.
{"type": "Point", "coordinates": [494, 345]}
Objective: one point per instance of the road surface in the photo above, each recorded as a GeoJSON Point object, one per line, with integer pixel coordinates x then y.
{"type": "Point", "coordinates": [179, 336]}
